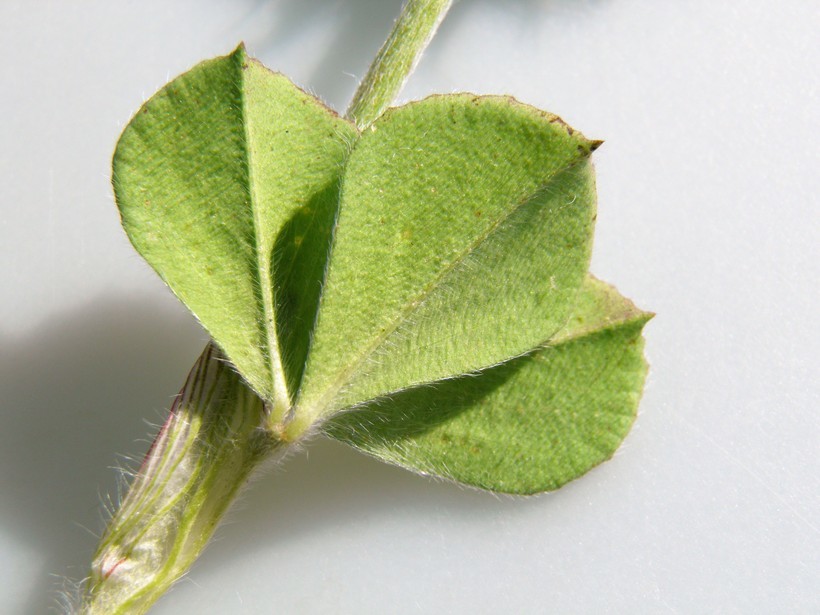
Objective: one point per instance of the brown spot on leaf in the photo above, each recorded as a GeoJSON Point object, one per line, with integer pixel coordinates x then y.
{"type": "Point", "coordinates": [557, 120]}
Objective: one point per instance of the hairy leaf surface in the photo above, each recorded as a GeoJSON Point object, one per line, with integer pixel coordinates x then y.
{"type": "Point", "coordinates": [463, 236]}
{"type": "Point", "coordinates": [227, 183]}
{"type": "Point", "coordinates": [529, 425]}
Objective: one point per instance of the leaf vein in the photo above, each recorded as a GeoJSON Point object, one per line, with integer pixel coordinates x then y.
{"type": "Point", "coordinates": [348, 374]}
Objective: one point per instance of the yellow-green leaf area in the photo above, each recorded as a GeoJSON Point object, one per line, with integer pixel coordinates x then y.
{"type": "Point", "coordinates": [529, 425]}
{"type": "Point", "coordinates": [463, 236]}
{"type": "Point", "coordinates": [219, 178]}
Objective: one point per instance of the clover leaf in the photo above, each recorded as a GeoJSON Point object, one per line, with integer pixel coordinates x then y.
{"type": "Point", "coordinates": [410, 281]}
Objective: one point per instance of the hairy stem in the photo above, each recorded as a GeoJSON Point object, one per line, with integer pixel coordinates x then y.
{"type": "Point", "coordinates": [217, 432]}
{"type": "Point", "coordinates": [396, 60]}
{"type": "Point", "coordinates": [203, 454]}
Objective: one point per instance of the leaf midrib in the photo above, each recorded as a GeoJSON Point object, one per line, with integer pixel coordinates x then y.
{"type": "Point", "coordinates": [276, 376]}
{"type": "Point", "coordinates": [345, 375]}
{"type": "Point", "coordinates": [560, 339]}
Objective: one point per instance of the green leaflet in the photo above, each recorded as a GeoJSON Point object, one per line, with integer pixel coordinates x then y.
{"type": "Point", "coordinates": [529, 425]}
{"type": "Point", "coordinates": [227, 185]}
{"type": "Point", "coordinates": [463, 236]}
{"type": "Point", "coordinates": [451, 330]}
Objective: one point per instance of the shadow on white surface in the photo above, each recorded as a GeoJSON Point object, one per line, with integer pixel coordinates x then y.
{"type": "Point", "coordinates": [75, 392]}
{"type": "Point", "coordinates": [78, 391]}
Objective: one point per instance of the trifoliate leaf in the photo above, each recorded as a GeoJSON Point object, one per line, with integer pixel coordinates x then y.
{"type": "Point", "coordinates": [463, 236]}
{"type": "Point", "coordinates": [227, 184]}
{"type": "Point", "coordinates": [529, 425]}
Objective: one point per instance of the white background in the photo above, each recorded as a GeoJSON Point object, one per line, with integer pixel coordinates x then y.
{"type": "Point", "coordinates": [708, 196]}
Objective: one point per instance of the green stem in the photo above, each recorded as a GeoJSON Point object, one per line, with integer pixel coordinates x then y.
{"type": "Point", "coordinates": [203, 454]}
{"type": "Point", "coordinates": [396, 60]}
{"type": "Point", "coordinates": [217, 433]}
